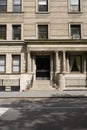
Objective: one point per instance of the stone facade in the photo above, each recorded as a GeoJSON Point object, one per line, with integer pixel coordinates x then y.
{"type": "Point", "coordinates": [64, 55]}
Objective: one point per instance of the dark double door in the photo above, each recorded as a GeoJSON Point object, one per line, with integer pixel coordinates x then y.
{"type": "Point", "coordinates": [43, 67]}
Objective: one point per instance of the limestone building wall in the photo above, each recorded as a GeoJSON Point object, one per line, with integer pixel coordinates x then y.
{"type": "Point", "coordinates": [58, 18]}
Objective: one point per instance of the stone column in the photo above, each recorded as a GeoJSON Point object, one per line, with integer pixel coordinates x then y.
{"type": "Point", "coordinates": [28, 62]}
{"type": "Point", "coordinates": [84, 64]}
{"type": "Point", "coordinates": [57, 69]}
{"type": "Point", "coordinates": [51, 68]}
{"type": "Point", "coordinates": [57, 62]}
{"type": "Point", "coordinates": [64, 62]}
{"type": "Point", "coordinates": [67, 63]}
{"type": "Point", "coordinates": [51, 63]}
{"type": "Point", "coordinates": [33, 67]}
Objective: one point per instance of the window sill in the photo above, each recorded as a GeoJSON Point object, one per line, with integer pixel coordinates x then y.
{"type": "Point", "coordinates": [75, 72]}
{"type": "Point", "coordinates": [74, 12]}
{"type": "Point", "coordinates": [42, 12]}
{"type": "Point", "coordinates": [14, 73]}
{"type": "Point", "coordinates": [11, 12]}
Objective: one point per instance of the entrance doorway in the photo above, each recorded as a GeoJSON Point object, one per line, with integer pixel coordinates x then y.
{"type": "Point", "coordinates": [42, 67]}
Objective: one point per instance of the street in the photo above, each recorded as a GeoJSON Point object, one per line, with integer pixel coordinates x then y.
{"type": "Point", "coordinates": [43, 114]}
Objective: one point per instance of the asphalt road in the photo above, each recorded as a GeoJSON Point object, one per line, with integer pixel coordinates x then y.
{"type": "Point", "coordinates": [44, 114]}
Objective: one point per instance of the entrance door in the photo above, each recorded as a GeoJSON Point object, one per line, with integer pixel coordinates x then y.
{"type": "Point", "coordinates": [42, 67]}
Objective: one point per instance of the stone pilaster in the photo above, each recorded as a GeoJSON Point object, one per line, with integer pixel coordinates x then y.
{"type": "Point", "coordinates": [28, 62]}
{"type": "Point", "coordinates": [64, 61]}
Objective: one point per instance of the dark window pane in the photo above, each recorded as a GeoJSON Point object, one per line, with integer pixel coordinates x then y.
{"type": "Point", "coordinates": [15, 88]}
{"type": "Point", "coordinates": [76, 30]}
{"type": "Point", "coordinates": [16, 63]}
{"type": "Point", "coordinates": [43, 5]}
{"type": "Point", "coordinates": [76, 63]}
{"type": "Point", "coordinates": [2, 88]}
{"type": "Point", "coordinates": [3, 32]}
{"type": "Point", "coordinates": [75, 5]}
{"type": "Point", "coordinates": [43, 8]}
{"type": "Point", "coordinates": [2, 63]}
{"type": "Point", "coordinates": [3, 5]}
{"type": "Point", "coordinates": [43, 31]}
{"type": "Point", "coordinates": [17, 6]}
{"type": "Point", "coordinates": [16, 32]}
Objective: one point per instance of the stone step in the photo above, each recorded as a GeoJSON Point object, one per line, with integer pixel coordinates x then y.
{"type": "Point", "coordinates": [41, 85]}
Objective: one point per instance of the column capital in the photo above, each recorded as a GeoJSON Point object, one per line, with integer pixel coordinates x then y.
{"type": "Point", "coordinates": [28, 51]}
{"type": "Point", "coordinates": [56, 51]}
{"type": "Point", "coordinates": [63, 51]}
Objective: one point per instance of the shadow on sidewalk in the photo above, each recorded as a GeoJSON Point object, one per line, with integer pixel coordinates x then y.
{"type": "Point", "coordinates": [45, 114]}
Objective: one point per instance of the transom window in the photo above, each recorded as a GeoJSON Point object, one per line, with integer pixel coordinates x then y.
{"type": "Point", "coordinates": [43, 31]}
{"type": "Point", "coordinates": [16, 32]}
{"type": "Point", "coordinates": [2, 32]}
{"type": "Point", "coordinates": [74, 5]}
{"type": "Point", "coordinates": [16, 63]}
{"type": "Point", "coordinates": [3, 5]}
{"type": "Point", "coordinates": [17, 5]}
{"type": "Point", "coordinates": [75, 63]}
{"type": "Point", "coordinates": [43, 5]}
{"type": "Point", "coordinates": [2, 63]}
{"type": "Point", "coordinates": [76, 31]}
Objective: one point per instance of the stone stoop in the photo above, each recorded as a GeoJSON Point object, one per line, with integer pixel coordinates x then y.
{"type": "Point", "coordinates": [42, 85]}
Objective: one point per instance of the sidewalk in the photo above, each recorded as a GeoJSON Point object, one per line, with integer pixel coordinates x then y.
{"type": "Point", "coordinates": [43, 94]}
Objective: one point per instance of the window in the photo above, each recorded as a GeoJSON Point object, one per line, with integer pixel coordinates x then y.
{"type": "Point", "coordinates": [43, 5]}
{"type": "Point", "coordinates": [2, 63]}
{"type": "Point", "coordinates": [17, 5]}
{"type": "Point", "coordinates": [74, 5]}
{"type": "Point", "coordinates": [2, 32]}
{"type": "Point", "coordinates": [43, 31]}
{"type": "Point", "coordinates": [15, 88]}
{"type": "Point", "coordinates": [2, 88]}
{"type": "Point", "coordinates": [75, 31]}
{"type": "Point", "coordinates": [3, 5]}
{"type": "Point", "coordinates": [75, 63]}
{"type": "Point", "coordinates": [16, 32]}
{"type": "Point", "coordinates": [16, 63]}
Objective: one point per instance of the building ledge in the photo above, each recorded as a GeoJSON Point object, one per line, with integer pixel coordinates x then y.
{"type": "Point", "coordinates": [75, 89]}
{"type": "Point", "coordinates": [57, 41]}
{"type": "Point", "coordinates": [16, 42]}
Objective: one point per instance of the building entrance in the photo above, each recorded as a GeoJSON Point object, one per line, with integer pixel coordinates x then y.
{"type": "Point", "coordinates": [42, 67]}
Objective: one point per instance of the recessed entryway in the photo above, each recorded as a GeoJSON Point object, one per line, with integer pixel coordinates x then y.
{"type": "Point", "coordinates": [43, 67]}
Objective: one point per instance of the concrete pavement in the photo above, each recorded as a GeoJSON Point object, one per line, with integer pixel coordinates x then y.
{"type": "Point", "coordinates": [44, 114]}
{"type": "Point", "coordinates": [44, 94]}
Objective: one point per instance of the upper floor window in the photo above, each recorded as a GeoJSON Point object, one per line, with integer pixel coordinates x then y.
{"type": "Point", "coordinates": [75, 63]}
{"type": "Point", "coordinates": [42, 5]}
{"type": "Point", "coordinates": [43, 31]}
{"type": "Point", "coordinates": [2, 32]}
{"type": "Point", "coordinates": [75, 31]}
{"type": "Point", "coordinates": [74, 5]}
{"type": "Point", "coordinates": [3, 5]}
{"type": "Point", "coordinates": [2, 63]}
{"type": "Point", "coordinates": [16, 63]}
{"type": "Point", "coordinates": [17, 5]}
{"type": "Point", "coordinates": [16, 32]}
